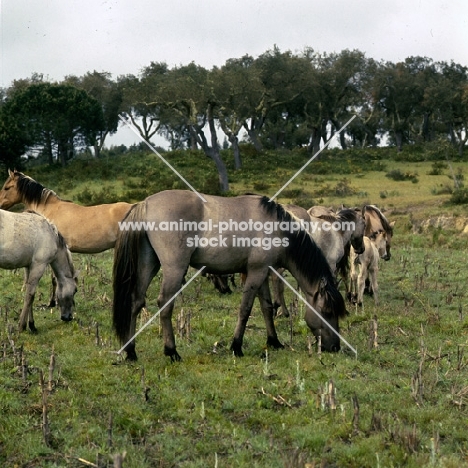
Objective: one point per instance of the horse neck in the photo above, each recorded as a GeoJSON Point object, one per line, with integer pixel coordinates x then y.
{"type": "Point", "coordinates": [48, 199]}
{"type": "Point", "coordinates": [62, 265]}
{"type": "Point", "coordinates": [305, 284]}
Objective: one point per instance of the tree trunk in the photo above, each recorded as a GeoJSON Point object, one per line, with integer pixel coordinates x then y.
{"type": "Point", "coordinates": [315, 138]}
{"type": "Point", "coordinates": [399, 140]}
{"type": "Point", "coordinates": [252, 131]}
{"type": "Point", "coordinates": [236, 151]}
{"type": "Point", "coordinates": [196, 132]}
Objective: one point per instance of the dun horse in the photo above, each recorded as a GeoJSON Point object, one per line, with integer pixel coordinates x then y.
{"type": "Point", "coordinates": [368, 265]}
{"type": "Point", "coordinates": [28, 240]}
{"type": "Point", "coordinates": [334, 243]}
{"type": "Point", "coordinates": [139, 254]}
{"type": "Point", "coordinates": [376, 221]}
{"type": "Point", "coordinates": [86, 229]}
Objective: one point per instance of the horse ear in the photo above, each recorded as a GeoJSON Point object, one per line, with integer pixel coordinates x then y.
{"type": "Point", "coordinates": [392, 224]}
{"type": "Point", "coordinates": [11, 174]}
{"type": "Point", "coordinates": [323, 285]}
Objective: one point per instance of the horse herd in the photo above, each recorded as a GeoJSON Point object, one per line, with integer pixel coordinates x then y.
{"type": "Point", "coordinates": [175, 229]}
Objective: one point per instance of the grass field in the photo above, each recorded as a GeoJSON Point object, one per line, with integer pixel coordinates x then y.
{"type": "Point", "coordinates": [401, 402]}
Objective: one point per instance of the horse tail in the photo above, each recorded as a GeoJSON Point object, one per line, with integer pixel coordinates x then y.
{"type": "Point", "coordinates": [125, 270]}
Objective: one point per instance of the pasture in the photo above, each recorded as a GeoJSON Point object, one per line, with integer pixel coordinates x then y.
{"type": "Point", "coordinates": [401, 402]}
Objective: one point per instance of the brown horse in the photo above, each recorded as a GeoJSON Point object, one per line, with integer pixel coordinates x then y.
{"type": "Point", "coordinates": [142, 249]}
{"type": "Point", "coordinates": [86, 229]}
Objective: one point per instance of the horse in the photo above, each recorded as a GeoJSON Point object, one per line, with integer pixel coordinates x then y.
{"type": "Point", "coordinates": [376, 221]}
{"type": "Point", "coordinates": [368, 263]}
{"type": "Point", "coordinates": [140, 253]}
{"type": "Point", "coordinates": [28, 240]}
{"type": "Point", "coordinates": [86, 229]}
{"type": "Point", "coordinates": [333, 239]}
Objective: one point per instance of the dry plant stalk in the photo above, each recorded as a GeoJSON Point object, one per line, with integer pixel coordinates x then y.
{"type": "Point", "coordinates": [45, 418]}
{"type": "Point", "coordinates": [109, 430]}
{"type": "Point", "coordinates": [373, 344]}
{"type": "Point", "coordinates": [355, 414]}
{"type": "Point", "coordinates": [184, 327]}
{"type": "Point", "coordinates": [328, 396]}
{"type": "Point", "coordinates": [118, 460]}
{"type": "Point", "coordinates": [51, 370]}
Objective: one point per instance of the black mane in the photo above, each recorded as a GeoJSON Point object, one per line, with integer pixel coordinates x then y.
{"type": "Point", "coordinates": [347, 214]}
{"type": "Point", "coordinates": [305, 253]}
{"type": "Point", "coordinates": [32, 191]}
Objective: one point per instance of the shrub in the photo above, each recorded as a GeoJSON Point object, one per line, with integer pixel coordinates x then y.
{"type": "Point", "coordinates": [438, 167]}
{"type": "Point", "coordinates": [397, 175]}
{"type": "Point", "coordinates": [459, 196]}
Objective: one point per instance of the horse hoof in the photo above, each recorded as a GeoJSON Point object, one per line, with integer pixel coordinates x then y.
{"type": "Point", "coordinates": [68, 318]}
{"type": "Point", "coordinates": [274, 343]}
{"type": "Point", "coordinates": [52, 303]}
{"type": "Point", "coordinates": [131, 357]}
{"type": "Point", "coordinates": [172, 353]}
{"type": "Point", "coordinates": [32, 327]}
{"type": "Point", "coordinates": [236, 348]}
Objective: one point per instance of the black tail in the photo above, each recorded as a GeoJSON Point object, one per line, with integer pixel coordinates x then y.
{"type": "Point", "coordinates": [126, 255]}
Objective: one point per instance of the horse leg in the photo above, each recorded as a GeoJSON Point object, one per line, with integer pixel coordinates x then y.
{"type": "Point", "coordinates": [278, 292]}
{"type": "Point", "coordinates": [363, 272]}
{"type": "Point", "coordinates": [171, 283]}
{"type": "Point", "coordinates": [267, 310]}
{"type": "Point", "coordinates": [53, 296]}
{"type": "Point", "coordinates": [373, 281]}
{"type": "Point", "coordinates": [252, 284]}
{"type": "Point", "coordinates": [32, 276]}
{"type": "Point", "coordinates": [148, 268]}
{"type": "Point", "coordinates": [353, 274]}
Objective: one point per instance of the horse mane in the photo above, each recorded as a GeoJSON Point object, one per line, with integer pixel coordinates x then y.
{"type": "Point", "coordinates": [327, 217]}
{"type": "Point", "coordinates": [305, 253]}
{"type": "Point", "coordinates": [383, 219]}
{"type": "Point", "coordinates": [32, 191]}
{"type": "Point", "coordinates": [347, 214]}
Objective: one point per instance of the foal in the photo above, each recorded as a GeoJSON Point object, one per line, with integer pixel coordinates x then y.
{"type": "Point", "coordinates": [368, 262]}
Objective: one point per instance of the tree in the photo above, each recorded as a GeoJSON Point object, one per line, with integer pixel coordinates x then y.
{"type": "Point", "coordinates": [109, 95]}
{"type": "Point", "coordinates": [400, 93]}
{"type": "Point", "coordinates": [142, 100]}
{"type": "Point", "coordinates": [189, 95]}
{"type": "Point", "coordinates": [55, 118]}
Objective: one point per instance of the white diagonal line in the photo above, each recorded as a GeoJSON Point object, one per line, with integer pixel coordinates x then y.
{"type": "Point", "coordinates": [150, 146]}
{"type": "Point", "coordinates": [313, 310]}
{"type": "Point", "coordinates": [161, 309]}
{"type": "Point", "coordinates": [312, 158]}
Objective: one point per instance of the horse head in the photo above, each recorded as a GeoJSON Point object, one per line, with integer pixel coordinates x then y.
{"type": "Point", "coordinates": [66, 290]}
{"type": "Point", "coordinates": [9, 195]}
{"type": "Point", "coordinates": [357, 236]}
{"type": "Point", "coordinates": [323, 317]}
{"type": "Point", "coordinates": [380, 240]}
{"type": "Point", "coordinates": [376, 221]}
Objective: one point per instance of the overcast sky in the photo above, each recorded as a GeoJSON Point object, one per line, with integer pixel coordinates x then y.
{"type": "Point", "coordinates": [69, 37]}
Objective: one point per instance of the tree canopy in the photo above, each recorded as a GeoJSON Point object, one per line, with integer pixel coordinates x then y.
{"type": "Point", "coordinates": [277, 100]}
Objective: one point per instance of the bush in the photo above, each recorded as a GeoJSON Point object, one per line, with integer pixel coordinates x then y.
{"type": "Point", "coordinates": [438, 168]}
{"type": "Point", "coordinates": [459, 196]}
{"type": "Point", "coordinates": [397, 175]}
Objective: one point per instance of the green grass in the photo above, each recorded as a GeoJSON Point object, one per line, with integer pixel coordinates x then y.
{"type": "Point", "coordinates": [269, 408]}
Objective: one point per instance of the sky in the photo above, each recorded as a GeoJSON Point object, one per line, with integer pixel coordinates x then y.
{"type": "Point", "coordinates": [57, 38]}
